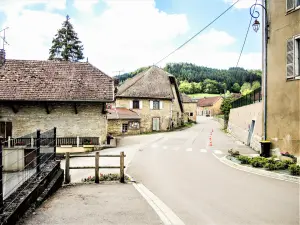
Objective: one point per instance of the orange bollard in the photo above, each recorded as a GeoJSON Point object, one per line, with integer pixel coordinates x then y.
{"type": "Point", "coordinates": [210, 143]}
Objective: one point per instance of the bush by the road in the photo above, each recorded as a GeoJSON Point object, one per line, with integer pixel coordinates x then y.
{"type": "Point", "coordinates": [270, 164]}
{"type": "Point", "coordinates": [105, 177]}
{"type": "Point", "coordinates": [294, 169]}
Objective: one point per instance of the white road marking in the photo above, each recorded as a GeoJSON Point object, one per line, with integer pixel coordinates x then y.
{"type": "Point", "coordinates": [167, 216]}
{"type": "Point", "coordinates": [154, 146]}
{"type": "Point", "coordinates": [165, 147]}
{"type": "Point", "coordinates": [189, 149]}
{"type": "Point", "coordinates": [218, 152]}
{"type": "Point", "coordinates": [203, 150]}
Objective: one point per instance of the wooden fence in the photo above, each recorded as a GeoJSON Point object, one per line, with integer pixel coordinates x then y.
{"type": "Point", "coordinates": [96, 167]}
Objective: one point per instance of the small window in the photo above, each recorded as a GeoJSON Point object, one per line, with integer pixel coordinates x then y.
{"type": "Point", "coordinates": [191, 114]}
{"type": "Point", "coordinates": [155, 104]}
{"type": "Point", "coordinates": [297, 3]}
{"type": "Point", "coordinates": [124, 127]}
{"type": "Point", "coordinates": [135, 104]}
{"type": "Point", "coordinates": [297, 56]}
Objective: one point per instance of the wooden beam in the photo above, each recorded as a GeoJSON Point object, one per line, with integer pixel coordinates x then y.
{"type": "Point", "coordinates": [48, 108]}
{"type": "Point", "coordinates": [15, 108]}
{"type": "Point", "coordinates": [75, 108]}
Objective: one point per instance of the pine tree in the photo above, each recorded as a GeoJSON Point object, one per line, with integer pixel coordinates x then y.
{"type": "Point", "coordinates": [66, 45]}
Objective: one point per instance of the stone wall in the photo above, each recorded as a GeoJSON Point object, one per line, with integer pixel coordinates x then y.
{"type": "Point", "coordinates": [89, 122]}
{"type": "Point", "coordinates": [190, 107]}
{"type": "Point", "coordinates": [115, 128]}
{"type": "Point", "coordinates": [147, 114]}
{"type": "Point", "coordinates": [240, 120]}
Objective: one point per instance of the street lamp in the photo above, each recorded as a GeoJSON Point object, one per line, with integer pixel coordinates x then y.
{"type": "Point", "coordinates": [256, 25]}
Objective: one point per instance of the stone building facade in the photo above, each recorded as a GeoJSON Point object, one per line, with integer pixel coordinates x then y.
{"type": "Point", "coordinates": [46, 94]}
{"type": "Point", "coordinates": [190, 108]}
{"type": "Point", "coordinates": [283, 76]}
{"type": "Point", "coordinates": [122, 121]}
{"type": "Point", "coordinates": [209, 106]}
{"type": "Point", "coordinates": [155, 97]}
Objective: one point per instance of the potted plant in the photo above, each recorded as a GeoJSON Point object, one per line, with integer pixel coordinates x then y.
{"type": "Point", "coordinates": [88, 145]}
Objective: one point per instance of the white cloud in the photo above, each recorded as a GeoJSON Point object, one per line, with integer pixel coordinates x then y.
{"type": "Point", "coordinates": [242, 4]}
{"type": "Point", "coordinates": [127, 35]}
{"type": "Point", "coordinates": [85, 5]}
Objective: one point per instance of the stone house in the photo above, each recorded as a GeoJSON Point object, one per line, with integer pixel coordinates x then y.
{"type": "Point", "coordinates": [154, 96]}
{"type": "Point", "coordinates": [122, 121]}
{"type": "Point", "coordinates": [45, 94]}
{"type": "Point", "coordinates": [209, 106]}
{"type": "Point", "coordinates": [190, 108]}
{"type": "Point", "coordinates": [283, 76]}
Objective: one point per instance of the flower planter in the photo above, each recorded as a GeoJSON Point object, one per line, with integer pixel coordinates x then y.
{"type": "Point", "coordinates": [88, 147]}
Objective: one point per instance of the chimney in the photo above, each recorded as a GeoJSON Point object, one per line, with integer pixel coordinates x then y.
{"type": "Point", "coordinates": [2, 57]}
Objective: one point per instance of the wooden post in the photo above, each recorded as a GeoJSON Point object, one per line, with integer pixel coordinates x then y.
{"type": "Point", "coordinates": [122, 176]}
{"type": "Point", "coordinates": [9, 142]}
{"type": "Point", "coordinates": [31, 141]}
{"type": "Point", "coordinates": [97, 168]}
{"type": "Point", "coordinates": [77, 141]}
{"type": "Point", "coordinates": [67, 168]}
{"type": "Point", "coordinates": [38, 149]}
{"type": "Point", "coordinates": [54, 143]}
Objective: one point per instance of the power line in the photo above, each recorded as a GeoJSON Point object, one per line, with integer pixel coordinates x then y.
{"type": "Point", "coordinates": [198, 32]}
{"type": "Point", "coordinates": [245, 38]}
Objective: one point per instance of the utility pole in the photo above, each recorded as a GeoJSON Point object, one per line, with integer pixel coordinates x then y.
{"type": "Point", "coordinates": [4, 42]}
{"type": "Point", "coordinates": [118, 71]}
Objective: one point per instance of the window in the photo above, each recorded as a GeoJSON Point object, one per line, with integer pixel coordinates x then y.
{"type": "Point", "coordinates": [124, 127]}
{"type": "Point", "coordinates": [134, 125]}
{"type": "Point", "coordinates": [135, 104]}
{"type": "Point", "coordinates": [292, 4]}
{"type": "Point", "coordinates": [155, 104]}
{"type": "Point", "coordinates": [293, 58]}
{"type": "Point", "coordinates": [191, 114]}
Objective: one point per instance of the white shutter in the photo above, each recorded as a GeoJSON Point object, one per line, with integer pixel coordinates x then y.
{"type": "Point", "coordinates": [151, 104]}
{"type": "Point", "coordinates": [160, 104]}
{"type": "Point", "coordinates": [130, 104]}
{"type": "Point", "coordinates": [141, 104]}
{"type": "Point", "coordinates": [290, 5]}
{"type": "Point", "coordinates": [290, 58]}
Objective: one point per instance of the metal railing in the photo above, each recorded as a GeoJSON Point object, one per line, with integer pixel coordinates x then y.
{"type": "Point", "coordinates": [20, 165]}
{"type": "Point", "coordinates": [248, 99]}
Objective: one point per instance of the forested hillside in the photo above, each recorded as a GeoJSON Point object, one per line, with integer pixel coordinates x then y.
{"type": "Point", "coordinates": [198, 79]}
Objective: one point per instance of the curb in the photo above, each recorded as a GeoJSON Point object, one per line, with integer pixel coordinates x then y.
{"type": "Point", "coordinates": [260, 172]}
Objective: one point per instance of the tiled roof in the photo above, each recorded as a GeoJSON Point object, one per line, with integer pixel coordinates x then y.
{"type": "Point", "coordinates": [208, 101]}
{"type": "Point", "coordinates": [33, 80]}
{"type": "Point", "coordinates": [121, 113]}
{"type": "Point", "coordinates": [186, 99]}
{"type": "Point", "coordinates": [152, 83]}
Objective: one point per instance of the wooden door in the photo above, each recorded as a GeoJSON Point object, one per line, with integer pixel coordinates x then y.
{"type": "Point", "coordinates": [155, 124]}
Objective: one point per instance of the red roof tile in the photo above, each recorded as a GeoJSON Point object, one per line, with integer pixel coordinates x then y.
{"type": "Point", "coordinates": [208, 101]}
{"type": "Point", "coordinates": [121, 113]}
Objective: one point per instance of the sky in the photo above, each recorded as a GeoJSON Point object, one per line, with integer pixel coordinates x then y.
{"type": "Point", "coordinates": [124, 35]}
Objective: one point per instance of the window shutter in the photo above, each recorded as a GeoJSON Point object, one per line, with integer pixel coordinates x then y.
{"type": "Point", "coordinates": [151, 104]}
{"type": "Point", "coordinates": [290, 58]}
{"type": "Point", "coordinates": [130, 104]}
{"type": "Point", "coordinates": [290, 4]}
{"type": "Point", "coordinates": [141, 104]}
{"type": "Point", "coordinates": [160, 105]}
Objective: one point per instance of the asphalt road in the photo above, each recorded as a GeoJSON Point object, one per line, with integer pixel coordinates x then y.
{"type": "Point", "coordinates": [182, 170]}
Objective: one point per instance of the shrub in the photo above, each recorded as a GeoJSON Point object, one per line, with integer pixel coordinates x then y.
{"type": "Point", "coordinates": [244, 159]}
{"type": "Point", "coordinates": [259, 162]}
{"type": "Point", "coordinates": [294, 169]}
{"type": "Point", "coordinates": [105, 177]}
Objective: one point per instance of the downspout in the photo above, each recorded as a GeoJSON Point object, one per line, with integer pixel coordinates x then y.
{"type": "Point", "coordinates": [265, 64]}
